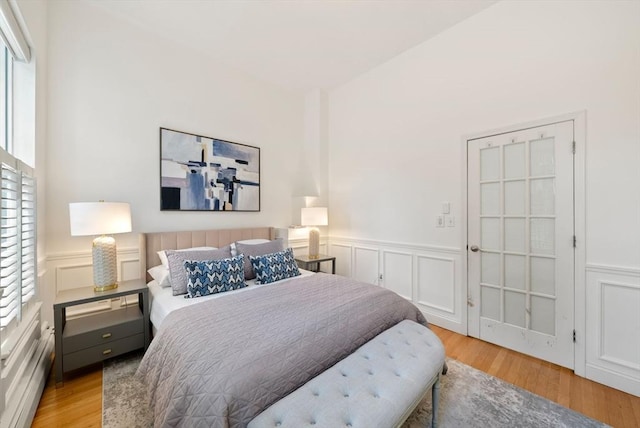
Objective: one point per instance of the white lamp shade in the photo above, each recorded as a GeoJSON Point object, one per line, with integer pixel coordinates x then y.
{"type": "Point", "coordinates": [314, 216]}
{"type": "Point", "coordinates": [99, 218]}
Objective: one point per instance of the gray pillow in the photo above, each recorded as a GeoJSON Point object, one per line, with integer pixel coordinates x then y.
{"type": "Point", "coordinates": [257, 250]}
{"type": "Point", "coordinates": [177, 270]}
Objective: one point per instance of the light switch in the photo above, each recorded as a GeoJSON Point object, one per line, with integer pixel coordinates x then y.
{"type": "Point", "coordinates": [440, 221]}
{"type": "Point", "coordinates": [446, 208]}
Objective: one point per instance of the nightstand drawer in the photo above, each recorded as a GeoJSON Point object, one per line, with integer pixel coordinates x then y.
{"type": "Point", "coordinates": [99, 329]}
{"type": "Point", "coordinates": [96, 354]}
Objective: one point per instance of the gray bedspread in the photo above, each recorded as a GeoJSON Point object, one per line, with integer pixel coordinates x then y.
{"type": "Point", "coordinates": [221, 362]}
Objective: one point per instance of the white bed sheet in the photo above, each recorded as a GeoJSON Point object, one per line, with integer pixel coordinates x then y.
{"type": "Point", "coordinates": [163, 302]}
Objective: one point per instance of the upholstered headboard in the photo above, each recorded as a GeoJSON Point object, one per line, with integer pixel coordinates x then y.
{"type": "Point", "coordinates": [151, 243]}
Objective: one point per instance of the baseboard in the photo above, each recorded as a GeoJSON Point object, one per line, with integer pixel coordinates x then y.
{"type": "Point", "coordinates": [441, 321]}
{"type": "Point", "coordinates": [613, 379]}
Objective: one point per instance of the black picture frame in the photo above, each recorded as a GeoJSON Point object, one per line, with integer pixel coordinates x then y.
{"type": "Point", "coordinates": [199, 173]}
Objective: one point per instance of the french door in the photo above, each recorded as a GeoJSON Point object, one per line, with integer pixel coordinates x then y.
{"type": "Point", "coordinates": [521, 241]}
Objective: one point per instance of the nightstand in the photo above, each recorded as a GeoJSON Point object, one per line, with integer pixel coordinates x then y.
{"type": "Point", "coordinates": [304, 262]}
{"type": "Point", "coordinates": [94, 338]}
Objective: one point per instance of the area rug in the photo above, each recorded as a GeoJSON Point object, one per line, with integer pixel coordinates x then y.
{"type": "Point", "coordinates": [468, 398]}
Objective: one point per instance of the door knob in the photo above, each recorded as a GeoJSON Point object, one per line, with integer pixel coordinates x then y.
{"type": "Point", "coordinates": [474, 248]}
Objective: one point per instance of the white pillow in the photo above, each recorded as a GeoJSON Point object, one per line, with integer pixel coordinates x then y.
{"type": "Point", "coordinates": [161, 275]}
{"type": "Point", "coordinates": [234, 252]}
{"type": "Point", "coordinates": [163, 255]}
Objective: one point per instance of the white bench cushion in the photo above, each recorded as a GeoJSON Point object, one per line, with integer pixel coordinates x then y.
{"type": "Point", "coordinates": [379, 385]}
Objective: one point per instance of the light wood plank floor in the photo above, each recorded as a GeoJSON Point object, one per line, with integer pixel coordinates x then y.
{"type": "Point", "coordinates": [79, 402]}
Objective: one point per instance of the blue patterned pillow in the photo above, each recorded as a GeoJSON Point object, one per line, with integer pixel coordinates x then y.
{"type": "Point", "coordinates": [275, 266]}
{"type": "Point", "coordinates": [214, 276]}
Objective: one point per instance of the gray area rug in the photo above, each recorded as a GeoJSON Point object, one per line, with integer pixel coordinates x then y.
{"type": "Point", "coordinates": [468, 398]}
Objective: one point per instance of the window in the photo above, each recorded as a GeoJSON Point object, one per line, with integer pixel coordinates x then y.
{"type": "Point", "coordinates": [17, 213]}
{"type": "Point", "coordinates": [6, 63]}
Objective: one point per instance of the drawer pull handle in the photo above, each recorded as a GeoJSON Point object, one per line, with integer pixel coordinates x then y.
{"type": "Point", "coordinates": [106, 335]}
{"type": "Point", "coordinates": [106, 352]}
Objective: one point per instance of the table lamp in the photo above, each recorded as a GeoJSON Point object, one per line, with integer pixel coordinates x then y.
{"type": "Point", "coordinates": [315, 216]}
{"type": "Point", "coordinates": [101, 218]}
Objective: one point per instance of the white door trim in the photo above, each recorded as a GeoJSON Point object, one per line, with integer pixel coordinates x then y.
{"type": "Point", "coordinates": [579, 123]}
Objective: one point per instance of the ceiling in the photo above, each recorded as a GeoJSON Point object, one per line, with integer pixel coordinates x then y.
{"type": "Point", "coordinates": [298, 44]}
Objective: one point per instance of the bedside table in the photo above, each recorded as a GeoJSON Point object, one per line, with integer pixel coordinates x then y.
{"type": "Point", "coordinates": [94, 338]}
{"type": "Point", "coordinates": [304, 262]}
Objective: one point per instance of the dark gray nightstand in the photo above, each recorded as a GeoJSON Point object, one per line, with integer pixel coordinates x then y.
{"type": "Point", "coordinates": [94, 338]}
{"type": "Point", "coordinates": [304, 262]}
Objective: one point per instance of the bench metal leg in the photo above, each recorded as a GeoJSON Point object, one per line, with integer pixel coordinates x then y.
{"type": "Point", "coordinates": [435, 398]}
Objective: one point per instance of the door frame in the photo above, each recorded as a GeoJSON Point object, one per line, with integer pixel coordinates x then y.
{"type": "Point", "coordinates": [579, 267]}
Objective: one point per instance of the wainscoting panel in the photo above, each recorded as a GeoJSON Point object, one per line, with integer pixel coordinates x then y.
{"type": "Point", "coordinates": [365, 264]}
{"type": "Point", "coordinates": [74, 270]}
{"type": "Point", "coordinates": [342, 252]}
{"type": "Point", "coordinates": [397, 272]}
{"type": "Point", "coordinates": [73, 275]}
{"type": "Point", "coordinates": [436, 275]}
{"type": "Point", "coordinates": [613, 327]}
{"type": "Point", "coordinates": [423, 274]}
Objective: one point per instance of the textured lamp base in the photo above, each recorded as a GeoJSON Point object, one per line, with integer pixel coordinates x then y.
{"type": "Point", "coordinates": [105, 268]}
{"type": "Point", "coordinates": [314, 243]}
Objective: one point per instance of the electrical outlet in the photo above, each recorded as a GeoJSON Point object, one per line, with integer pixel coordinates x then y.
{"type": "Point", "coordinates": [450, 220]}
{"type": "Point", "coordinates": [440, 221]}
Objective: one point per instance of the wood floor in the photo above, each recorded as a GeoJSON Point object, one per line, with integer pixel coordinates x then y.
{"type": "Point", "coordinates": [79, 402]}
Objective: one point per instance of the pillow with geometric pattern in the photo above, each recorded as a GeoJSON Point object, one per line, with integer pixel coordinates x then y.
{"type": "Point", "coordinates": [275, 266]}
{"type": "Point", "coordinates": [214, 276]}
{"type": "Point", "coordinates": [255, 249]}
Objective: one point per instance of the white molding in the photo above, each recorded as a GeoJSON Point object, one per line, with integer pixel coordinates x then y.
{"type": "Point", "coordinates": [471, 330]}
{"type": "Point", "coordinates": [440, 320]}
{"type": "Point", "coordinates": [614, 270]}
{"type": "Point", "coordinates": [60, 269]}
{"type": "Point", "coordinates": [349, 248]}
{"type": "Point", "coordinates": [61, 263]}
{"type": "Point", "coordinates": [69, 255]}
{"type": "Point", "coordinates": [613, 379]}
{"type": "Point", "coordinates": [383, 269]}
{"type": "Point", "coordinates": [580, 231]}
{"type": "Point", "coordinates": [451, 310]}
{"type": "Point", "coordinates": [602, 355]}
{"type": "Point", "coordinates": [618, 361]}
{"type": "Point", "coordinates": [393, 244]}
{"type": "Point", "coordinates": [449, 318]}
{"type": "Point", "coordinates": [552, 120]}
{"type": "Point", "coordinates": [376, 251]}
{"type": "Point", "coordinates": [610, 369]}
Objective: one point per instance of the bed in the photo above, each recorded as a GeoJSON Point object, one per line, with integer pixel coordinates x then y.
{"type": "Point", "coordinates": [218, 361]}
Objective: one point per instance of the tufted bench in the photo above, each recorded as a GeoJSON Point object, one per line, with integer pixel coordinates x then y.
{"type": "Point", "coordinates": [379, 385]}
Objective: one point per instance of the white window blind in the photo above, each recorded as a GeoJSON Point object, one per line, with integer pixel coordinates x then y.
{"type": "Point", "coordinates": [17, 238]}
{"type": "Point", "coordinates": [28, 236]}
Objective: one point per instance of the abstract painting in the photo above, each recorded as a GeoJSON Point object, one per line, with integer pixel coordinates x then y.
{"type": "Point", "coordinates": [200, 173]}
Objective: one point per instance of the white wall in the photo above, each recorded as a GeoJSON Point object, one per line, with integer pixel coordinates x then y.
{"type": "Point", "coordinates": [395, 131]}
{"type": "Point", "coordinates": [112, 85]}
{"type": "Point", "coordinates": [395, 134]}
